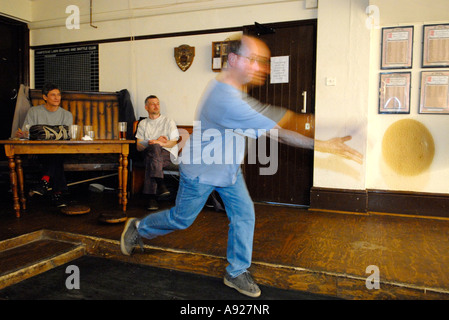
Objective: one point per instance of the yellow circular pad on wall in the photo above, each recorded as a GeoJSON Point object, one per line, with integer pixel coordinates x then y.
{"type": "Point", "coordinates": [408, 147]}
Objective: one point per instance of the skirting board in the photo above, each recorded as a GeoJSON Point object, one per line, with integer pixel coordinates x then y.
{"type": "Point", "coordinates": [380, 201]}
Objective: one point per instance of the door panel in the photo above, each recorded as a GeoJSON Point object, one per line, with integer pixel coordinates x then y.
{"type": "Point", "coordinates": [293, 180]}
{"type": "Point", "coordinates": [13, 69]}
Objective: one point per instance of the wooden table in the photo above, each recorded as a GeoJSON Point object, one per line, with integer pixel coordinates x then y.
{"type": "Point", "coordinates": [15, 148]}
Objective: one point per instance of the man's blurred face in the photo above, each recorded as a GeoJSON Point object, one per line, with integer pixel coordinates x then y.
{"type": "Point", "coordinates": [253, 61]}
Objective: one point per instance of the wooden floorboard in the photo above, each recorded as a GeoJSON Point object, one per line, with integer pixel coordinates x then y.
{"type": "Point", "coordinates": [31, 254]}
{"type": "Point", "coordinates": [25, 255]}
{"type": "Point", "coordinates": [319, 252]}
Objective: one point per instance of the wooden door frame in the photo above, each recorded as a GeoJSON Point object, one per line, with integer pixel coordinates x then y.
{"type": "Point", "coordinates": [268, 28]}
{"type": "Point", "coordinates": [24, 75]}
{"type": "Point", "coordinates": [287, 24]}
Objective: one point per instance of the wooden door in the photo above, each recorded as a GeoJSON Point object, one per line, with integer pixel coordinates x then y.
{"type": "Point", "coordinates": [292, 182]}
{"type": "Point", "coordinates": [14, 69]}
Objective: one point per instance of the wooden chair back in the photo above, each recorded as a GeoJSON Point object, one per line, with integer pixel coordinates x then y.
{"type": "Point", "coordinates": [98, 109]}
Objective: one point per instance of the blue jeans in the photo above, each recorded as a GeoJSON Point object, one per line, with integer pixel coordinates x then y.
{"type": "Point", "coordinates": [190, 200]}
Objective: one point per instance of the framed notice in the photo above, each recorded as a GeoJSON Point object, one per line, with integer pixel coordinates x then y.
{"type": "Point", "coordinates": [219, 55]}
{"type": "Point", "coordinates": [434, 92]}
{"type": "Point", "coordinates": [397, 48]}
{"type": "Point", "coordinates": [435, 46]}
{"type": "Point", "coordinates": [394, 92]}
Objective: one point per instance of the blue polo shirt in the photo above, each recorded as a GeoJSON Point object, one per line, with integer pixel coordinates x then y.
{"type": "Point", "coordinates": [216, 148]}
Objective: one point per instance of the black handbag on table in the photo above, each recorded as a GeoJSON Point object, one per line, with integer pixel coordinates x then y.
{"type": "Point", "coordinates": [49, 132]}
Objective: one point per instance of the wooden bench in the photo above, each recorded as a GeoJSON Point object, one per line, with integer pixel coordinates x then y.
{"type": "Point", "coordinates": [98, 109]}
{"type": "Point", "coordinates": [101, 110]}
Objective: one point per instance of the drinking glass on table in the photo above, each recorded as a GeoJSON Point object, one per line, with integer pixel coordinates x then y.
{"type": "Point", "coordinates": [122, 130]}
{"type": "Point", "coordinates": [27, 131]}
{"type": "Point", "coordinates": [89, 131]}
{"type": "Point", "coordinates": [74, 132]}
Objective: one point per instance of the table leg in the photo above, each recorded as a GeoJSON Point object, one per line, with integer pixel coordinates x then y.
{"type": "Point", "coordinates": [120, 179]}
{"type": "Point", "coordinates": [20, 181]}
{"type": "Point", "coordinates": [125, 182]}
{"type": "Point", "coordinates": [13, 181]}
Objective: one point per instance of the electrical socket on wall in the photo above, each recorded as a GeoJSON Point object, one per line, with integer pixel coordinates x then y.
{"type": "Point", "coordinates": [311, 4]}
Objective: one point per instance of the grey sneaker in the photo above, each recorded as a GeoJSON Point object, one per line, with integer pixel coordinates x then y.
{"type": "Point", "coordinates": [244, 284]}
{"type": "Point", "coordinates": [130, 237]}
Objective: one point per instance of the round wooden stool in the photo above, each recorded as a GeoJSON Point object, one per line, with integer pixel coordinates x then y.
{"type": "Point", "coordinates": [117, 216]}
{"type": "Point", "coordinates": [75, 209]}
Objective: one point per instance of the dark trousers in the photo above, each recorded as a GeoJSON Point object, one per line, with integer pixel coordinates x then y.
{"type": "Point", "coordinates": [53, 166]}
{"type": "Point", "coordinates": [156, 158]}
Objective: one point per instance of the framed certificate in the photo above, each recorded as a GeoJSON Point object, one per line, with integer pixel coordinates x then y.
{"type": "Point", "coordinates": [397, 47]}
{"type": "Point", "coordinates": [394, 92]}
{"type": "Point", "coordinates": [435, 46]}
{"type": "Point", "coordinates": [219, 55]}
{"type": "Point", "coordinates": [434, 92]}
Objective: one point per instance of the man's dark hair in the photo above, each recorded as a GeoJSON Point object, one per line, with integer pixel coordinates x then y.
{"type": "Point", "coordinates": [48, 87]}
{"type": "Point", "coordinates": [150, 97]}
{"type": "Point", "coordinates": [234, 46]}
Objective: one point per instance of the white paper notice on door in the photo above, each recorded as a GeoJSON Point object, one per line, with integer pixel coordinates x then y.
{"type": "Point", "coordinates": [279, 69]}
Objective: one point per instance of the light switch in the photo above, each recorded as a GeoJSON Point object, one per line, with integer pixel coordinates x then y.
{"type": "Point", "coordinates": [330, 81]}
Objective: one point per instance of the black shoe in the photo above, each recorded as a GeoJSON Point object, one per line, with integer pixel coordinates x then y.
{"type": "Point", "coordinates": [162, 190]}
{"type": "Point", "coordinates": [41, 188]}
{"type": "Point", "coordinates": [58, 200]}
{"type": "Point", "coordinates": [152, 205]}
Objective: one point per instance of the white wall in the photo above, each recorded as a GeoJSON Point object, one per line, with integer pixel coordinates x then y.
{"type": "Point", "coordinates": [341, 110]}
{"type": "Point", "coordinates": [346, 51]}
{"type": "Point", "coordinates": [156, 73]}
{"type": "Point", "coordinates": [350, 52]}
{"type": "Point", "coordinates": [147, 66]}
{"type": "Point", "coordinates": [17, 9]}
{"type": "Point", "coordinates": [378, 174]}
